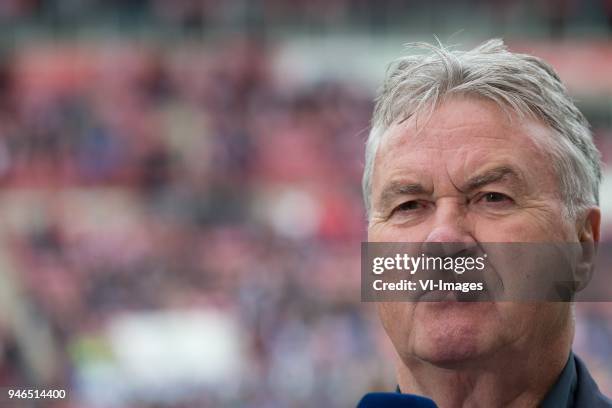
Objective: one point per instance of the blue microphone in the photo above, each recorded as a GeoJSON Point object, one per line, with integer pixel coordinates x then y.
{"type": "Point", "coordinates": [394, 400]}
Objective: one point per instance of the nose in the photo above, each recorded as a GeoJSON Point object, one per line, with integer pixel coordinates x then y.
{"type": "Point", "coordinates": [450, 233]}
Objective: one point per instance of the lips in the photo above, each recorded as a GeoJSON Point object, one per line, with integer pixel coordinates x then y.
{"type": "Point", "coordinates": [438, 296]}
{"type": "Point", "coordinates": [455, 296]}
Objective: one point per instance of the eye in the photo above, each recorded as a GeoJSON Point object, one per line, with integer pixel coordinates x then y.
{"type": "Point", "coordinates": [495, 198]}
{"type": "Point", "coordinates": [410, 206]}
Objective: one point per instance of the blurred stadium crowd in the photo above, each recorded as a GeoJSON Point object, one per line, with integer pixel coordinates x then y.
{"type": "Point", "coordinates": [135, 181]}
{"type": "Point", "coordinates": [554, 18]}
{"type": "Point", "coordinates": [181, 227]}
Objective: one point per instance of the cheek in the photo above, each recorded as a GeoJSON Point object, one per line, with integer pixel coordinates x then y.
{"type": "Point", "coordinates": [389, 232]}
{"type": "Point", "coordinates": [388, 312]}
{"type": "Point", "coordinates": [527, 321]}
{"type": "Point", "coordinates": [384, 232]}
{"type": "Point", "coordinates": [500, 230]}
{"type": "Point", "coordinates": [396, 318]}
{"type": "Point", "coordinates": [376, 232]}
{"type": "Point", "coordinates": [514, 316]}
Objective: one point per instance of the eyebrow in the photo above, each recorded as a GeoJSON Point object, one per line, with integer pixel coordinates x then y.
{"type": "Point", "coordinates": [491, 176]}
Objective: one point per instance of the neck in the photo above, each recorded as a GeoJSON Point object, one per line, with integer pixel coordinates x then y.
{"type": "Point", "coordinates": [511, 378]}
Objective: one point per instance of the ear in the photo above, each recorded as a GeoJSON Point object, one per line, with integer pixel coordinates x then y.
{"type": "Point", "coordinates": [589, 230]}
{"type": "Point", "coordinates": [588, 235]}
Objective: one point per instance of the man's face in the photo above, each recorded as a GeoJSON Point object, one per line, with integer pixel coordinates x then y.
{"type": "Point", "coordinates": [468, 175]}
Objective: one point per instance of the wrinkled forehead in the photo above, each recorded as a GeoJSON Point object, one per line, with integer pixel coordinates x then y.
{"type": "Point", "coordinates": [465, 121]}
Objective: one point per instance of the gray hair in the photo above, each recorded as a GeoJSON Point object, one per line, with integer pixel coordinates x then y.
{"type": "Point", "coordinates": [518, 83]}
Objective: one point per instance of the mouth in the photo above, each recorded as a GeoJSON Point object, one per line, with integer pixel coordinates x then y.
{"type": "Point", "coordinates": [439, 296]}
{"type": "Point", "coordinates": [454, 296]}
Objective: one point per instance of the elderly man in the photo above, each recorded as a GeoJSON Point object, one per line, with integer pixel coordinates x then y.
{"type": "Point", "coordinates": [482, 146]}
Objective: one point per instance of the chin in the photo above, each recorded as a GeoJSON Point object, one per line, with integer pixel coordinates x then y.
{"type": "Point", "coordinates": [452, 334]}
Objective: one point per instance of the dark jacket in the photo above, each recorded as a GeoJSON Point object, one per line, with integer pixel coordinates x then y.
{"type": "Point", "coordinates": [574, 389]}
{"type": "Point", "coordinates": [587, 394]}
